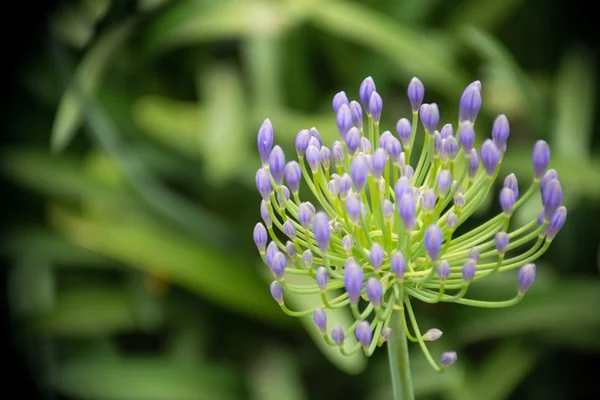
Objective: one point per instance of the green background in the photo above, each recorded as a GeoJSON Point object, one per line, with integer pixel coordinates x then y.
{"type": "Point", "coordinates": [129, 165]}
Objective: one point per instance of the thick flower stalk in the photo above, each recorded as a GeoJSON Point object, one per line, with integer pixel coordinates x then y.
{"type": "Point", "coordinates": [386, 226]}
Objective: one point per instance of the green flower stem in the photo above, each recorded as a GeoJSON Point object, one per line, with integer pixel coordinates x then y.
{"type": "Point", "coordinates": [398, 360]}
{"type": "Point", "coordinates": [415, 121]}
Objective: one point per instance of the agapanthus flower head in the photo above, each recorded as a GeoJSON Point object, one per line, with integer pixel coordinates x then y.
{"type": "Point", "coordinates": [388, 228]}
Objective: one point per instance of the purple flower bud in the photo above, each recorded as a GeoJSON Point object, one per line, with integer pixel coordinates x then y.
{"type": "Point", "coordinates": [430, 117]}
{"type": "Point", "coordinates": [374, 291]}
{"type": "Point", "coordinates": [322, 278]}
{"type": "Point", "coordinates": [314, 142]}
{"type": "Point", "coordinates": [386, 334]}
{"type": "Point", "coordinates": [511, 182]}
{"type": "Point", "coordinates": [385, 136]}
{"type": "Point", "coordinates": [260, 237]}
{"type": "Point", "coordinates": [277, 264]}
{"type": "Point", "coordinates": [320, 319]}
{"type": "Point", "coordinates": [314, 133]}
{"type": "Point", "coordinates": [470, 103]}
{"type": "Point", "coordinates": [302, 139]}
{"type": "Point", "coordinates": [291, 250]}
{"type": "Point", "coordinates": [344, 120]}
{"type": "Point", "coordinates": [552, 196]}
{"type": "Point", "coordinates": [348, 244]}
{"type": "Point", "coordinates": [375, 106]}
{"type": "Point", "coordinates": [344, 185]}
{"type": "Point", "coordinates": [325, 157]}
{"type": "Point", "coordinates": [388, 209]}
{"type": "Point", "coordinates": [507, 200]}
{"type": "Point", "coordinates": [501, 241]}
{"type": "Point", "coordinates": [428, 200]}
{"type": "Point", "coordinates": [365, 145]}
{"type": "Point", "coordinates": [359, 170]}
{"type": "Point", "coordinates": [407, 210]}
{"type": "Point", "coordinates": [337, 151]}
{"type": "Point", "coordinates": [447, 131]}
{"type": "Point", "coordinates": [415, 92]}
{"type": "Point", "coordinates": [293, 175]}
{"type": "Point", "coordinates": [337, 335]}
{"type": "Point", "coordinates": [305, 214]}
{"type": "Point", "coordinates": [466, 136]}
{"type": "Point", "coordinates": [322, 230]}
{"type": "Point", "coordinates": [376, 257]}
{"type": "Point", "coordinates": [264, 141]}
{"type": "Point", "coordinates": [451, 220]}
{"type": "Point", "coordinates": [277, 164]}
{"type": "Point", "coordinates": [263, 183]}
{"type": "Point", "coordinates": [404, 131]}
{"type": "Point", "coordinates": [277, 292]}
{"type": "Point", "coordinates": [490, 156]}
{"type": "Point", "coordinates": [548, 177]}
{"type": "Point", "coordinates": [433, 242]}
{"type": "Point", "coordinates": [526, 277]}
{"type": "Point", "coordinates": [408, 172]}
{"type": "Point", "coordinates": [398, 264]}
{"type": "Point", "coordinates": [378, 162]}
{"type": "Point", "coordinates": [272, 249]}
{"type": "Point", "coordinates": [313, 157]}
{"type": "Point", "coordinates": [264, 214]}
{"type": "Point", "coordinates": [432, 335]}
{"type": "Point", "coordinates": [353, 208]}
{"type": "Point", "coordinates": [402, 187]}
{"type": "Point", "coordinates": [444, 181]}
{"type": "Point", "coordinates": [500, 130]}
{"type": "Point", "coordinates": [367, 87]}
{"type": "Point", "coordinates": [473, 164]}
{"type": "Point", "coordinates": [540, 157]}
{"type": "Point", "coordinates": [443, 270]}
{"type": "Point", "coordinates": [363, 333]}
{"type": "Point", "coordinates": [437, 144]}
{"type": "Point", "coordinates": [448, 358]}
{"type": "Point", "coordinates": [308, 258]}
{"type": "Point", "coordinates": [468, 270]}
{"type": "Point", "coordinates": [450, 148]}
{"type": "Point", "coordinates": [556, 223]}
{"type": "Point", "coordinates": [356, 111]}
{"type": "Point", "coordinates": [474, 254]}
{"type": "Point", "coordinates": [333, 188]}
{"type": "Point", "coordinates": [459, 201]}
{"type": "Point", "coordinates": [353, 140]}
{"type": "Point", "coordinates": [339, 99]}
{"type": "Point", "coordinates": [393, 149]}
{"type": "Point", "coordinates": [353, 279]}
{"type": "Point", "coordinates": [286, 196]}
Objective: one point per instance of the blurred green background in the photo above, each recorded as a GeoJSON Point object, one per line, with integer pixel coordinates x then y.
{"type": "Point", "coordinates": [129, 199]}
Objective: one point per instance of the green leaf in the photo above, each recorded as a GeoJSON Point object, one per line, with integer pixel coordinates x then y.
{"type": "Point", "coordinates": [502, 371]}
{"type": "Point", "coordinates": [574, 106]}
{"type": "Point", "coordinates": [262, 59]}
{"type": "Point", "coordinates": [49, 247]}
{"type": "Point", "coordinates": [87, 77]}
{"type": "Point", "coordinates": [31, 286]}
{"type": "Point", "coordinates": [144, 378]}
{"type": "Point", "coordinates": [174, 123]}
{"type": "Point", "coordinates": [221, 134]}
{"type": "Point", "coordinates": [413, 52]}
{"type": "Point", "coordinates": [352, 365]}
{"type": "Point", "coordinates": [488, 15]}
{"type": "Point", "coordinates": [89, 311]}
{"type": "Point", "coordinates": [61, 177]}
{"type": "Point", "coordinates": [144, 244]}
{"type": "Point", "coordinates": [274, 375]}
{"type": "Point", "coordinates": [191, 22]}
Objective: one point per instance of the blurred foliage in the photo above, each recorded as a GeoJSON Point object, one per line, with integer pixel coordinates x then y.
{"type": "Point", "coordinates": [141, 281]}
